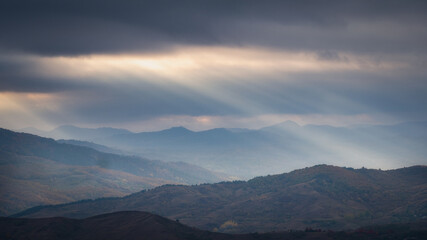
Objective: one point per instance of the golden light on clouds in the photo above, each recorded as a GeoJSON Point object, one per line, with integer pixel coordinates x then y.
{"type": "Point", "coordinates": [26, 109]}
{"type": "Point", "coordinates": [23, 101]}
{"type": "Point", "coordinates": [7, 102]}
{"type": "Point", "coordinates": [222, 75]}
{"type": "Point", "coordinates": [191, 65]}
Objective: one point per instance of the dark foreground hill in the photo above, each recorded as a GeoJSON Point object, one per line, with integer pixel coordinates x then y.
{"type": "Point", "coordinates": [36, 170]}
{"type": "Point", "coordinates": [143, 225]}
{"type": "Point", "coordinates": [323, 196]}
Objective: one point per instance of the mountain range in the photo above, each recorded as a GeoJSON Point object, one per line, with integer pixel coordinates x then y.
{"type": "Point", "coordinates": [36, 170]}
{"type": "Point", "coordinates": [322, 196]}
{"type": "Point", "coordinates": [247, 153]}
{"type": "Point", "coordinates": [73, 132]}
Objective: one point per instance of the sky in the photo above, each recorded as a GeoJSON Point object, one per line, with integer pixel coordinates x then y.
{"type": "Point", "coordinates": [150, 65]}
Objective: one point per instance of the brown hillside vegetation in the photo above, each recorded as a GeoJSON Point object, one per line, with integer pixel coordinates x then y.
{"type": "Point", "coordinates": [323, 196]}
{"type": "Point", "coordinates": [37, 171]}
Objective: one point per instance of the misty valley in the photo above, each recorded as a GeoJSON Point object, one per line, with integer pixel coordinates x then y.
{"type": "Point", "coordinates": [81, 179]}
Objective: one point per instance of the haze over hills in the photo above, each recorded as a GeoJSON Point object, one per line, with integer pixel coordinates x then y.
{"type": "Point", "coordinates": [95, 146]}
{"type": "Point", "coordinates": [36, 170]}
{"type": "Point", "coordinates": [279, 148]}
{"type": "Point", "coordinates": [322, 196]}
{"type": "Point", "coordinates": [73, 132]}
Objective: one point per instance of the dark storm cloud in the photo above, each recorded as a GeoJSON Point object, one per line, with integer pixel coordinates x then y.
{"type": "Point", "coordinates": [144, 100]}
{"type": "Point", "coordinates": [19, 76]}
{"type": "Point", "coordinates": [338, 93]}
{"type": "Point", "coordinates": [319, 94]}
{"type": "Point", "coordinates": [359, 92]}
{"type": "Point", "coordinates": [82, 27]}
{"type": "Point", "coordinates": [335, 31]}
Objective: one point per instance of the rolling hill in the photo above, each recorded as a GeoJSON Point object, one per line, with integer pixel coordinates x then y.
{"type": "Point", "coordinates": [143, 225]}
{"type": "Point", "coordinates": [322, 196]}
{"type": "Point", "coordinates": [36, 170]}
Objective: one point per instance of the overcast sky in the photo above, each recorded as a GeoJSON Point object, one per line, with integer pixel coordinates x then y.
{"type": "Point", "coordinates": [148, 65]}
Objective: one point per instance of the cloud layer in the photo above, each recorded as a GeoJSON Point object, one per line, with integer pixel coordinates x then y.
{"type": "Point", "coordinates": [86, 27]}
{"type": "Point", "coordinates": [111, 62]}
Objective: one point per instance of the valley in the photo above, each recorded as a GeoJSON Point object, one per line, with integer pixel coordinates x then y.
{"type": "Point", "coordinates": [36, 171]}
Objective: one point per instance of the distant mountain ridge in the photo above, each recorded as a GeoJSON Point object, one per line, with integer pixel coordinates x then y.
{"type": "Point", "coordinates": [77, 133]}
{"type": "Point", "coordinates": [36, 170]}
{"type": "Point", "coordinates": [279, 148]}
{"type": "Point", "coordinates": [322, 196]}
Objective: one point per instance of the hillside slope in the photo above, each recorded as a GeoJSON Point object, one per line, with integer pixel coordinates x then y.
{"type": "Point", "coordinates": [36, 170]}
{"type": "Point", "coordinates": [321, 197]}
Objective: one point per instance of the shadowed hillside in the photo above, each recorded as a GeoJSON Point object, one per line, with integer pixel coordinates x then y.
{"type": "Point", "coordinates": [36, 170]}
{"type": "Point", "coordinates": [143, 225]}
{"type": "Point", "coordinates": [319, 197]}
